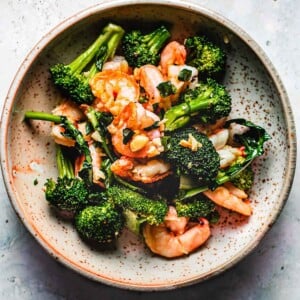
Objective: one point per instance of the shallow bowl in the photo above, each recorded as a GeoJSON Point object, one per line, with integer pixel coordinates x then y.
{"type": "Point", "coordinates": [27, 154]}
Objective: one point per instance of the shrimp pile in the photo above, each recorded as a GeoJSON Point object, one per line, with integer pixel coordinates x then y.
{"type": "Point", "coordinates": [118, 90]}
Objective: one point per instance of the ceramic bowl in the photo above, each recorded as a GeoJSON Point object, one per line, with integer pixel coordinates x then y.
{"type": "Point", "coordinates": [28, 153]}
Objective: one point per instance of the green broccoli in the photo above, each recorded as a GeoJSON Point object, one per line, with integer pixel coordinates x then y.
{"type": "Point", "coordinates": [253, 141]}
{"type": "Point", "coordinates": [140, 49]}
{"type": "Point", "coordinates": [148, 210]}
{"type": "Point", "coordinates": [206, 56]}
{"type": "Point", "coordinates": [73, 79]}
{"type": "Point", "coordinates": [207, 102]}
{"type": "Point", "coordinates": [193, 154]}
{"type": "Point", "coordinates": [67, 194]}
{"type": "Point", "coordinates": [244, 179]}
{"type": "Point", "coordinates": [71, 131]}
{"type": "Point", "coordinates": [101, 224]}
{"type": "Point", "coordinates": [195, 207]}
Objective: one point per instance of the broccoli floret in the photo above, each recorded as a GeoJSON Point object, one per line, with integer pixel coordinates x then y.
{"type": "Point", "coordinates": [67, 194]}
{"type": "Point", "coordinates": [148, 210]}
{"type": "Point", "coordinates": [244, 179]}
{"type": "Point", "coordinates": [101, 224]}
{"type": "Point", "coordinates": [207, 103]}
{"type": "Point", "coordinates": [73, 79]}
{"type": "Point", "coordinates": [193, 154]}
{"type": "Point", "coordinates": [140, 49]}
{"type": "Point", "coordinates": [204, 55]}
{"type": "Point", "coordinates": [253, 142]}
{"type": "Point", "coordinates": [195, 207]}
{"type": "Point", "coordinates": [71, 131]}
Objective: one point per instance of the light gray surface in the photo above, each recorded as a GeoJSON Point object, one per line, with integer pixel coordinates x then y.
{"type": "Point", "coordinates": [270, 272]}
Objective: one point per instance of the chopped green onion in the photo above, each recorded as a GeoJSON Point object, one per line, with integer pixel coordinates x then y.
{"type": "Point", "coordinates": [127, 135]}
{"type": "Point", "coordinates": [166, 88]}
{"type": "Point", "coordinates": [185, 75]}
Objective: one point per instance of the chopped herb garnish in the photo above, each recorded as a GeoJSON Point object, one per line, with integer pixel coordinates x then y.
{"type": "Point", "coordinates": [166, 88]}
{"type": "Point", "coordinates": [143, 99]}
{"type": "Point", "coordinates": [127, 135]}
{"type": "Point", "coordinates": [185, 75]}
{"type": "Point", "coordinates": [153, 126]}
{"type": "Point", "coordinates": [35, 182]}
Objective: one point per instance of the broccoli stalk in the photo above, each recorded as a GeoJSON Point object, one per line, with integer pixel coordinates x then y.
{"type": "Point", "coordinates": [140, 49]}
{"type": "Point", "coordinates": [67, 194]}
{"type": "Point", "coordinates": [253, 140]}
{"type": "Point", "coordinates": [209, 101]}
{"type": "Point", "coordinates": [73, 132]}
{"type": "Point", "coordinates": [73, 79]}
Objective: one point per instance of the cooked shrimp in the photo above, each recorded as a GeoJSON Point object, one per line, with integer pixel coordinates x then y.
{"type": "Point", "coordinates": [149, 77]}
{"type": "Point", "coordinates": [229, 154]}
{"type": "Point", "coordinates": [173, 53]}
{"type": "Point", "coordinates": [70, 110]}
{"type": "Point", "coordinates": [96, 154]}
{"type": "Point", "coordinates": [57, 132]}
{"type": "Point", "coordinates": [147, 172]}
{"type": "Point", "coordinates": [165, 242]}
{"type": "Point", "coordinates": [172, 76]}
{"type": "Point", "coordinates": [143, 143]}
{"type": "Point", "coordinates": [113, 90]}
{"type": "Point", "coordinates": [118, 63]}
{"type": "Point", "coordinates": [230, 197]}
{"type": "Point", "coordinates": [220, 138]}
{"type": "Point", "coordinates": [174, 223]}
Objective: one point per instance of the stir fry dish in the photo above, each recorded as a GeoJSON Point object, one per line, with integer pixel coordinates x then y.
{"type": "Point", "coordinates": [144, 141]}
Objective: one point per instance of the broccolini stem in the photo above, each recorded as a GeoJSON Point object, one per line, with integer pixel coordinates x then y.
{"type": "Point", "coordinates": [92, 117]}
{"type": "Point", "coordinates": [64, 165]}
{"type": "Point", "coordinates": [69, 126]}
{"type": "Point", "coordinates": [158, 38]}
{"type": "Point", "coordinates": [85, 58]}
{"type": "Point", "coordinates": [180, 115]}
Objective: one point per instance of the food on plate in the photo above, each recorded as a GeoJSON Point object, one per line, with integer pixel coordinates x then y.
{"type": "Point", "coordinates": [145, 141]}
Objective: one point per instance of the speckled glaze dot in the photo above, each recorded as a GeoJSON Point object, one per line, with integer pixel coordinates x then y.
{"type": "Point", "coordinates": [28, 152]}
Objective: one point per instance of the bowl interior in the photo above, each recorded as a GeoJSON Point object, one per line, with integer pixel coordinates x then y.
{"type": "Point", "coordinates": [30, 160]}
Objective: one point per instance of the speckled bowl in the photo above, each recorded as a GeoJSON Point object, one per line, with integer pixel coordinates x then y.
{"type": "Point", "coordinates": [27, 154]}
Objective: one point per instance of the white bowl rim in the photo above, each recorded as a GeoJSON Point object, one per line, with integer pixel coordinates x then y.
{"type": "Point", "coordinates": [181, 4]}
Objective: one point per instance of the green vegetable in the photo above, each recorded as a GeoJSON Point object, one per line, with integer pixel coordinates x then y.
{"type": "Point", "coordinates": [67, 194]}
{"type": "Point", "coordinates": [141, 49]}
{"type": "Point", "coordinates": [166, 89]}
{"type": "Point", "coordinates": [244, 179]}
{"type": "Point", "coordinates": [206, 56]}
{"type": "Point", "coordinates": [202, 164]}
{"type": "Point", "coordinates": [73, 79]}
{"type": "Point", "coordinates": [70, 130]}
{"type": "Point", "coordinates": [149, 210]}
{"type": "Point", "coordinates": [101, 224]}
{"type": "Point", "coordinates": [185, 75]}
{"type": "Point", "coordinates": [206, 103]}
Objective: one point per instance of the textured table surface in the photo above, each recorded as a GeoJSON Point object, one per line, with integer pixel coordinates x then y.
{"type": "Point", "coordinates": [270, 272]}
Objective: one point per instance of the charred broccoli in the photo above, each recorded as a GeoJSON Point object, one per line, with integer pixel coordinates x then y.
{"type": "Point", "coordinates": [140, 49]}
{"type": "Point", "coordinates": [67, 194]}
{"type": "Point", "coordinates": [73, 79]}
{"type": "Point", "coordinates": [193, 154]}
{"type": "Point", "coordinates": [204, 55]}
{"type": "Point", "coordinates": [207, 103]}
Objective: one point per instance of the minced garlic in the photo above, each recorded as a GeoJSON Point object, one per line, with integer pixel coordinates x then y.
{"type": "Point", "coordinates": [191, 143]}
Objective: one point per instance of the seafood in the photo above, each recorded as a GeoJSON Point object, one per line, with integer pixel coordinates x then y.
{"type": "Point", "coordinates": [173, 53]}
{"type": "Point", "coordinates": [113, 90]}
{"type": "Point", "coordinates": [186, 237]}
{"type": "Point", "coordinates": [230, 197]}
{"type": "Point", "coordinates": [70, 110]}
{"type": "Point", "coordinates": [118, 63]}
{"type": "Point", "coordinates": [144, 142]}
{"type": "Point", "coordinates": [229, 154]}
{"type": "Point", "coordinates": [146, 172]}
{"type": "Point", "coordinates": [149, 77]}
{"type": "Point", "coordinates": [220, 138]}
